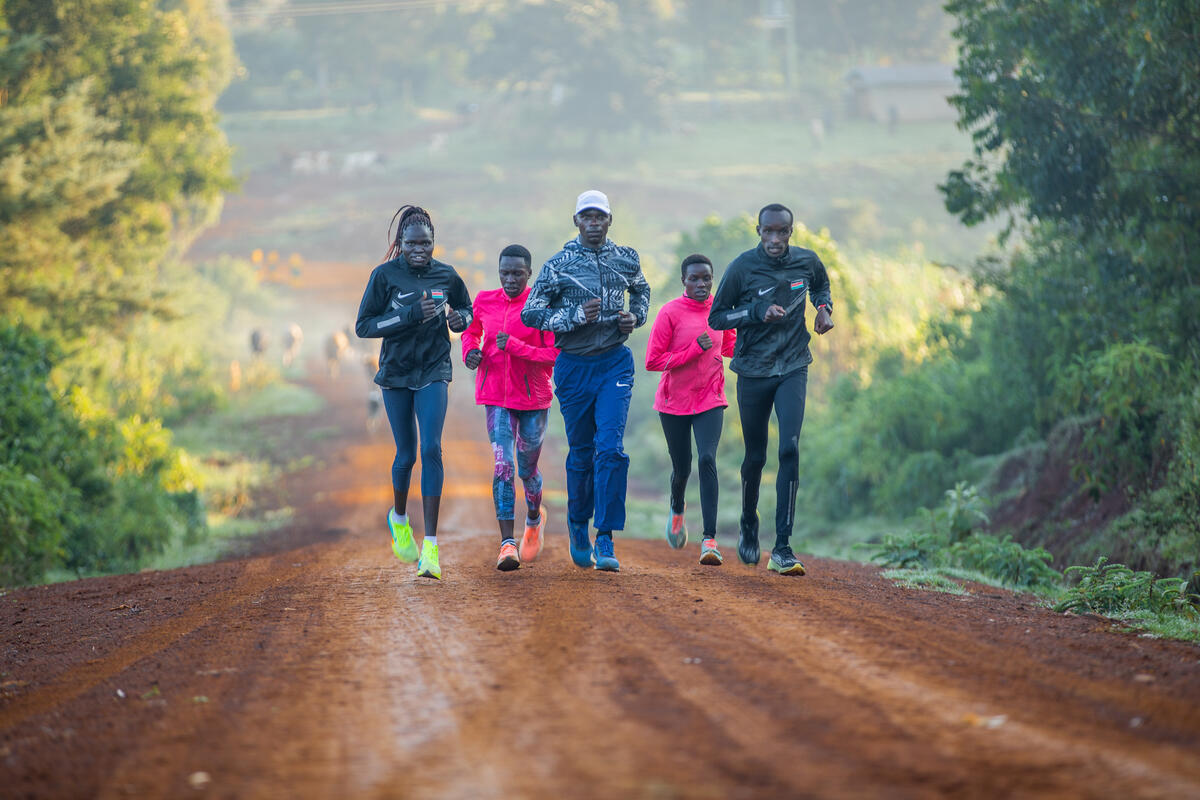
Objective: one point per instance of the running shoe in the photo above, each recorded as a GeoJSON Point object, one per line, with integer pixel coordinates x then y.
{"type": "Point", "coordinates": [605, 560]}
{"type": "Point", "coordinates": [581, 543]}
{"type": "Point", "coordinates": [428, 566]}
{"type": "Point", "coordinates": [748, 543]}
{"type": "Point", "coordinates": [531, 542]}
{"type": "Point", "coordinates": [676, 531]}
{"type": "Point", "coordinates": [509, 558]}
{"type": "Point", "coordinates": [403, 545]}
{"type": "Point", "coordinates": [784, 561]}
{"type": "Point", "coordinates": [710, 556]}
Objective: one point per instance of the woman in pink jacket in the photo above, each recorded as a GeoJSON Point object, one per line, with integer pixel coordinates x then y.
{"type": "Point", "coordinates": [513, 363]}
{"type": "Point", "coordinates": [691, 396]}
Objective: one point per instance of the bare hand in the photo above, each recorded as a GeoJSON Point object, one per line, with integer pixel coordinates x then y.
{"type": "Point", "coordinates": [705, 341]}
{"type": "Point", "coordinates": [823, 323]}
{"type": "Point", "coordinates": [591, 310]}
{"type": "Point", "coordinates": [473, 358]}
{"type": "Point", "coordinates": [774, 313]}
{"type": "Point", "coordinates": [428, 307]}
{"type": "Point", "coordinates": [625, 322]}
{"type": "Point", "coordinates": [456, 321]}
{"type": "Point", "coordinates": [501, 339]}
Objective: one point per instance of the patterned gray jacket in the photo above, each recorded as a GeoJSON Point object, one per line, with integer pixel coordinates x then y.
{"type": "Point", "coordinates": [577, 274]}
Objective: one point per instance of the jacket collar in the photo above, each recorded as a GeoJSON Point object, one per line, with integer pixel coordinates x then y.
{"type": "Point", "coordinates": [578, 246]}
{"type": "Point", "coordinates": [518, 299]}
{"type": "Point", "coordinates": [766, 258]}
{"type": "Point", "coordinates": [706, 303]}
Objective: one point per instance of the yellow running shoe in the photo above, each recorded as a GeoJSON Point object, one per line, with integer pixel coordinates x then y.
{"type": "Point", "coordinates": [428, 566]}
{"type": "Point", "coordinates": [403, 546]}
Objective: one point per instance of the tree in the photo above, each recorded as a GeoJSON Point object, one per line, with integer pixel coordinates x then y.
{"type": "Point", "coordinates": [110, 153]}
{"type": "Point", "coordinates": [1085, 117]}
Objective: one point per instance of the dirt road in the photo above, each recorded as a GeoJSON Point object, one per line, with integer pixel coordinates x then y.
{"type": "Point", "coordinates": [320, 667]}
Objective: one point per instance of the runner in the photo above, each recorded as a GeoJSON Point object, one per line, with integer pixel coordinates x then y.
{"type": "Point", "coordinates": [512, 382]}
{"type": "Point", "coordinates": [409, 301]}
{"type": "Point", "coordinates": [690, 399]}
{"type": "Point", "coordinates": [762, 294]}
{"type": "Point", "coordinates": [580, 296]}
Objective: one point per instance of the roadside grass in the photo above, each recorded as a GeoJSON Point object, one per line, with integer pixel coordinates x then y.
{"type": "Point", "coordinates": [235, 455]}
{"type": "Point", "coordinates": [945, 552]}
{"type": "Point", "coordinates": [931, 579]}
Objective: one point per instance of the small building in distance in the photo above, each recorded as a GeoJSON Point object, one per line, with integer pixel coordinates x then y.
{"type": "Point", "coordinates": [902, 93]}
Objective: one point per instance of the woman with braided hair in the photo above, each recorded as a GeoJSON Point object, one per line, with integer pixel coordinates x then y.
{"type": "Point", "coordinates": [409, 302]}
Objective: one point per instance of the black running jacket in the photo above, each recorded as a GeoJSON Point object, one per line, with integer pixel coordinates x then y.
{"type": "Point", "coordinates": [415, 352]}
{"type": "Point", "coordinates": [751, 284]}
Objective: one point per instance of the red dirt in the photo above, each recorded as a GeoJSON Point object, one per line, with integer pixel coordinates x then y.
{"type": "Point", "coordinates": [318, 666]}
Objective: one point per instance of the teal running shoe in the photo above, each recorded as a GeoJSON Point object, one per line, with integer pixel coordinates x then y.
{"type": "Point", "coordinates": [603, 555]}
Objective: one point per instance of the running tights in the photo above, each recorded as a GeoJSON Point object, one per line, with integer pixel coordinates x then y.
{"type": "Point", "coordinates": [679, 430]}
{"type": "Point", "coordinates": [756, 397]}
{"type": "Point", "coordinates": [408, 410]}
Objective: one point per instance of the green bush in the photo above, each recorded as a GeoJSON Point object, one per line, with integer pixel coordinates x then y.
{"type": "Point", "coordinates": [909, 550]}
{"type": "Point", "coordinates": [1115, 589]}
{"type": "Point", "coordinates": [1006, 561]}
{"type": "Point", "coordinates": [78, 487]}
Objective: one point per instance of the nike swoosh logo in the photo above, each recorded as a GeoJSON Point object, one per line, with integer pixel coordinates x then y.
{"type": "Point", "coordinates": [402, 296]}
{"type": "Point", "coordinates": [624, 385]}
{"type": "Point", "coordinates": [761, 292]}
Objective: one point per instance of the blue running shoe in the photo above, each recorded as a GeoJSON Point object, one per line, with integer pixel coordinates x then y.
{"type": "Point", "coordinates": [581, 543]}
{"type": "Point", "coordinates": [605, 560]}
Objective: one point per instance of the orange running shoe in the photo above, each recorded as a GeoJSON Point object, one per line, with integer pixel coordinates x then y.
{"type": "Point", "coordinates": [509, 558]}
{"type": "Point", "coordinates": [531, 542]}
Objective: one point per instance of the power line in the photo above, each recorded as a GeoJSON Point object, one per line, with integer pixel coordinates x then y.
{"type": "Point", "coordinates": [348, 7]}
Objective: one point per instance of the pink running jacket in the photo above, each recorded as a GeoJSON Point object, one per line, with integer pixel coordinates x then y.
{"type": "Point", "coordinates": [517, 377]}
{"type": "Point", "coordinates": [693, 379]}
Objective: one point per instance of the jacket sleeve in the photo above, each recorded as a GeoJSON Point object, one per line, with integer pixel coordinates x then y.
{"type": "Point", "coordinates": [727, 343]}
{"type": "Point", "coordinates": [531, 352]}
{"type": "Point", "coordinates": [472, 335]}
{"type": "Point", "coordinates": [539, 311]}
{"type": "Point", "coordinates": [380, 317]}
{"type": "Point", "coordinates": [819, 291]}
{"type": "Point", "coordinates": [460, 300]}
{"type": "Point", "coordinates": [639, 296]}
{"type": "Point", "coordinates": [659, 356]}
{"type": "Point", "coordinates": [726, 313]}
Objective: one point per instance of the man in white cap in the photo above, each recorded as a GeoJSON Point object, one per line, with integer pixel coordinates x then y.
{"type": "Point", "coordinates": [580, 294]}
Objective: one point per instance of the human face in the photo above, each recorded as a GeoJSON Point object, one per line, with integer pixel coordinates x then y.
{"type": "Point", "coordinates": [774, 230]}
{"type": "Point", "coordinates": [514, 275]}
{"type": "Point", "coordinates": [697, 281]}
{"type": "Point", "coordinates": [593, 226]}
{"type": "Point", "coordinates": [416, 244]}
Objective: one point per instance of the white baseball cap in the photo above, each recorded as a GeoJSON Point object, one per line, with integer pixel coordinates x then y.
{"type": "Point", "coordinates": [592, 198]}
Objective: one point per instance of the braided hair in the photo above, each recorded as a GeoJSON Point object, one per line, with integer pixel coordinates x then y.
{"type": "Point", "coordinates": [409, 215]}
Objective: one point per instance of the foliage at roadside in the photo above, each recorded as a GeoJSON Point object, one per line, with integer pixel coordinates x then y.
{"type": "Point", "coordinates": [948, 538]}
{"type": "Point", "coordinates": [947, 545]}
{"type": "Point", "coordinates": [111, 162]}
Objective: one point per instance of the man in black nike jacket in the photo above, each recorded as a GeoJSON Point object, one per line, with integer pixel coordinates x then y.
{"type": "Point", "coordinates": [763, 294]}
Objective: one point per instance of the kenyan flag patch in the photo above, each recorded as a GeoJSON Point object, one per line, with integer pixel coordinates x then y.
{"type": "Point", "coordinates": [798, 285]}
{"type": "Point", "coordinates": [437, 295]}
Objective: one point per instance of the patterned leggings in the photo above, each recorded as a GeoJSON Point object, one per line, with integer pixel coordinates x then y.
{"type": "Point", "coordinates": [525, 430]}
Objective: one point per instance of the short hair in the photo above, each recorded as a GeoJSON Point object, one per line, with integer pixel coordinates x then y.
{"type": "Point", "coordinates": [776, 207]}
{"type": "Point", "coordinates": [694, 258]}
{"type": "Point", "coordinates": [520, 252]}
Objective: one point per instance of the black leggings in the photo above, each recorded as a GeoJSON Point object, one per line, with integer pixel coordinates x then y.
{"type": "Point", "coordinates": [706, 426]}
{"type": "Point", "coordinates": [756, 396]}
